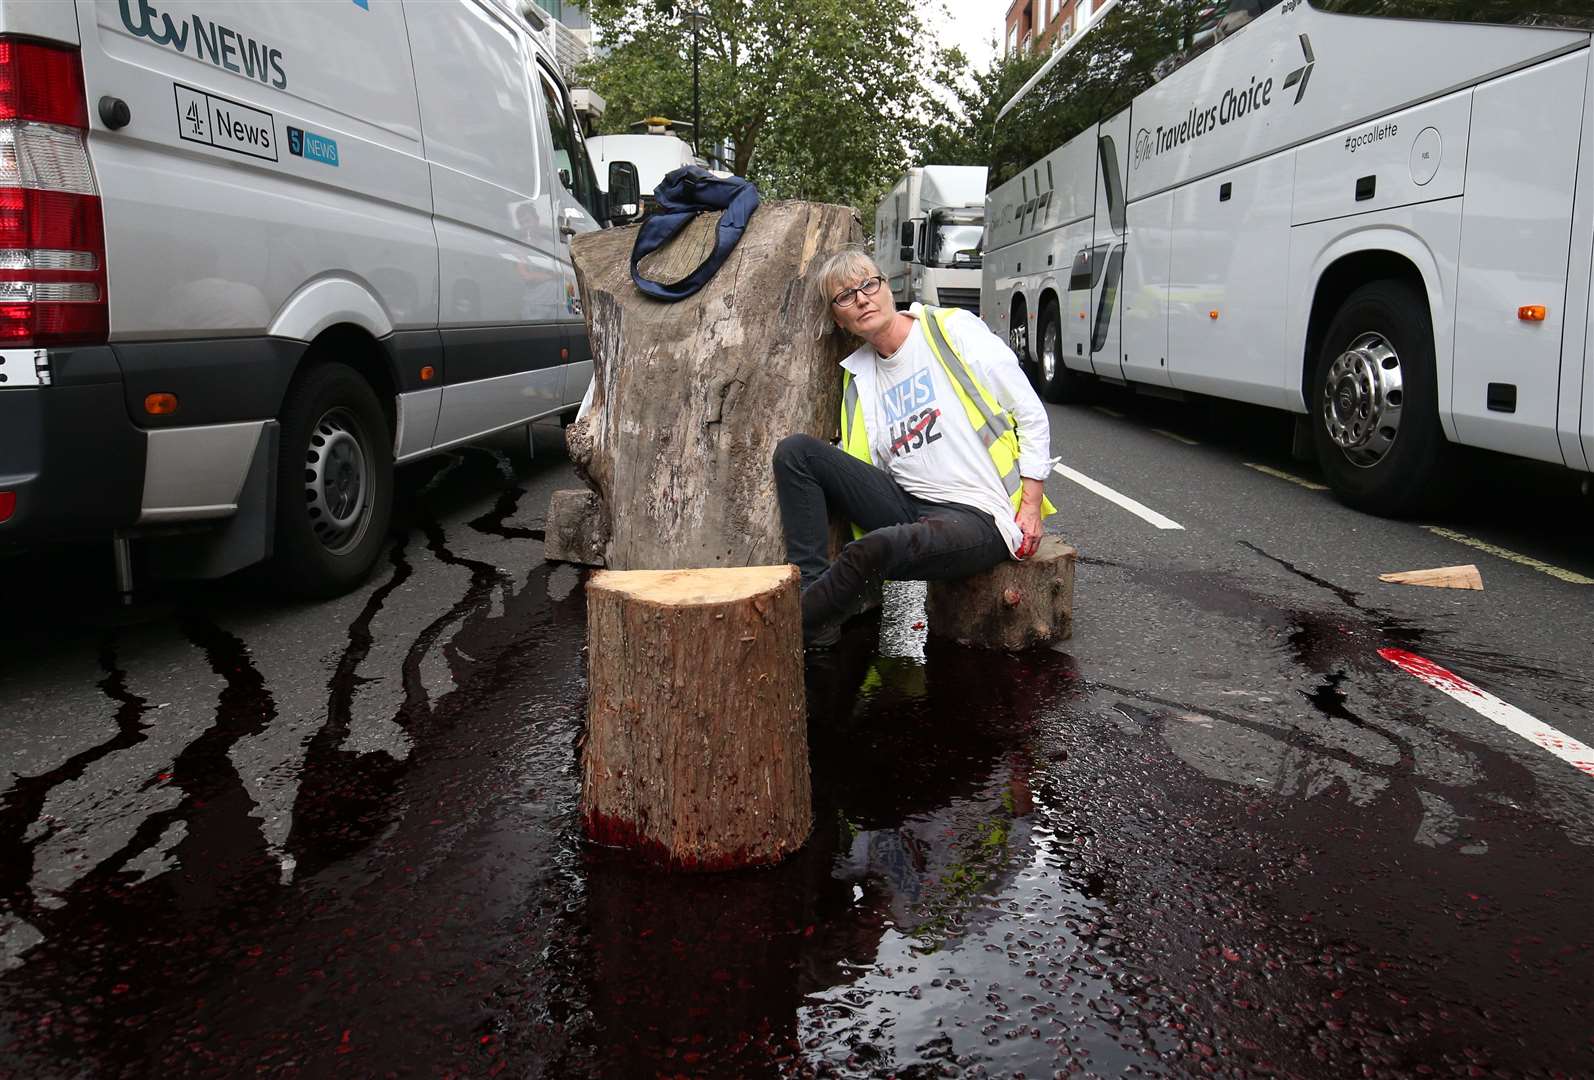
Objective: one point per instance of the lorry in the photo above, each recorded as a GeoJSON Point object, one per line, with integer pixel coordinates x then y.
{"type": "Point", "coordinates": [256, 255]}
{"type": "Point", "coordinates": [929, 234]}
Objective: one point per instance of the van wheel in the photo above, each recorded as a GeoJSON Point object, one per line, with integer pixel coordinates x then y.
{"type": "Point", "coordinates": [1058, 384]}
{"type": "Point", "coordinates": [1375, 402]}
{"type": "Point", "coordinates": [334, 483]}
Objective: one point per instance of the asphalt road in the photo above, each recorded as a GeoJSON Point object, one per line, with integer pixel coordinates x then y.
{"type": "Point", "coordinates": [1220, 832]}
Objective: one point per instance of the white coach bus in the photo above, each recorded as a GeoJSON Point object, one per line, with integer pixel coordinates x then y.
{"type": "Point", "coordinates": [1371, 213]}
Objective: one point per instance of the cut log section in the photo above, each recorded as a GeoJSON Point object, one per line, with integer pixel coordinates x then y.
{"type": "Point", "coordinates": [576, 531]}
{"type": "Point", "coordinates": [1015, 605]}
{"type": "Point", "coordinates": [696, 751]}
{"type": "Point", "coordinates": [690, 398]}
{"type": "Point", "coordinates": [1441, 577]}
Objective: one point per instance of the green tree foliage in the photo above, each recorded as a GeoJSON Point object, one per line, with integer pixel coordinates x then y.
{"type": "Point", "coordinates": [962, 135]}
{"type": "Point", "coordinates": [822, 98]}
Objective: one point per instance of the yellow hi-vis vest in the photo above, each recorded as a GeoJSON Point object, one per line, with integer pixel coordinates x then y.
{"type": "Point", "coordinates": [994, 425]}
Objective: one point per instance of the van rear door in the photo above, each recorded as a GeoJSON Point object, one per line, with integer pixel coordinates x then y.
{"type": "Point", "coordinates": [269, 145]}
{"type": "Point", "coordinates": [1575, 410]}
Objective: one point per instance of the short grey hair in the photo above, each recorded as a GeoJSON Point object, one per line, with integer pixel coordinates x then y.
{"type": "Point", "coordinates": [839, 271]}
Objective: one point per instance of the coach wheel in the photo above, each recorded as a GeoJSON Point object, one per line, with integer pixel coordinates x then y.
{"type": "Point", "coordinates": [1375, 414]}
{"type": "Point", "coordinates": [1018, 338]}
{"type": "Point", "coordinates": [334, 483]}
{"type": "Point", "coordinates": [1057, 382]}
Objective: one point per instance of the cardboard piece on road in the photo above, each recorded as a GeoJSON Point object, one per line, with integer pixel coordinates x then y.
{"type": "Point", "coordinates": [1443, 577]}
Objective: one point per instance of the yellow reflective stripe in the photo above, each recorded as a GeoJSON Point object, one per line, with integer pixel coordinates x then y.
{"type": "Point", "coordinates": [997, 416]}
{"type": "Point", "coordinates": [1001, 436]}
{"type": "Point", "coordinates": [993, 424]}
{"type": "Point", "coordinates": [978, 416]}
{"type": "Point", "coordinates": [854, 432]}
{"type": "Point", "coordinates": [1012, 481]}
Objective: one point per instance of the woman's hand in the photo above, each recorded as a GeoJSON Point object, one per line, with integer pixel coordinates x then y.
{"type": "Point", "coordinates": [1029, 518]}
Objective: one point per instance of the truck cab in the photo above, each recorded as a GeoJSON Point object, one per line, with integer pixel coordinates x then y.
{"type": "Point", "coordinates": [930, 234]}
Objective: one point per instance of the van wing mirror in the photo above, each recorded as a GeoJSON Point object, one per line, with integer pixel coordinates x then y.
{"type": "Point", "coordinates": [625, 192]}
{"type": "Point", "coordinates": [907, 235]}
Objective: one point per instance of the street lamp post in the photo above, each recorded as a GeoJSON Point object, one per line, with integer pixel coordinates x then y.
{"type": "Point", "coordinates": [696, 13]}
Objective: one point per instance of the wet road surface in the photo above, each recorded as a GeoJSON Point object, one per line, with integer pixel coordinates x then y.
{"type": "Point", "coordinates": [1216, 834]}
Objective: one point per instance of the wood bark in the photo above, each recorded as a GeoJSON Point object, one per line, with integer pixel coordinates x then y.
{"type": "Point", "coordinates": [576, 531]}
{"type": "Point", "coordinates": [1015, 605]}
{"type": "Point", "coordinates": [696, 751]}
{"type": "Point", "coordinates": [690, 398]}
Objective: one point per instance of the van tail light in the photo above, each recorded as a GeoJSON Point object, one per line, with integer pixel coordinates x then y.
{"type": "Point", "coordinates": [52, 233]}
{"type": "Point", "coordinates": [8, 504]}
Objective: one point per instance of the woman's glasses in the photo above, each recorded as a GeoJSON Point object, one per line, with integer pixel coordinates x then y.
{"type": "Point", "coordinates": [846, 297]}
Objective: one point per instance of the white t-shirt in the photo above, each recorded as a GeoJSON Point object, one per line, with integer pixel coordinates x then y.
{"type": "Point", "coordinates": [919, 433]}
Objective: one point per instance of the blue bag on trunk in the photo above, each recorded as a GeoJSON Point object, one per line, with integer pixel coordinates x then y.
{"type": "Point", "coordinates": [682, 195]}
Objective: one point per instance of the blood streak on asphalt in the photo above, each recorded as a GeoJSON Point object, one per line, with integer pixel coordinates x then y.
{"type": "Point", "coordinates": [1508, 716]}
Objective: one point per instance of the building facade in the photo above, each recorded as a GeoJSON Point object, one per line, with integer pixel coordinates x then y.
{"type": "Point", "coordinates": [571, 32]}
{"type": "Point", "coordinates": [1043, 24]}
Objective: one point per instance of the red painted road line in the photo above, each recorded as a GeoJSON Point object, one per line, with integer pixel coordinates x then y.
{"type": "Point", "coordinates": [1508, 716]}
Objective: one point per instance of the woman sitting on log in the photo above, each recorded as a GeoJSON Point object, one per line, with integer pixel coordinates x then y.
{"type": "Point", "coordinates": [944, 447]}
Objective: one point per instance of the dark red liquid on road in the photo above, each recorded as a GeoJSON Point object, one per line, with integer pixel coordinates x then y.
{"type": "Point", "coordinates": [1010, 874]}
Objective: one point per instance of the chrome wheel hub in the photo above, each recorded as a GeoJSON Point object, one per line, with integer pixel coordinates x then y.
{"type": "Point", "coordinates": [1049, 358]}
{"type": "Point", "coordinates": [1362, 400]}
{"type": "Point", "coordinates": [337, 485]}
{"type": "Point", "coordinates": [1018, 337]}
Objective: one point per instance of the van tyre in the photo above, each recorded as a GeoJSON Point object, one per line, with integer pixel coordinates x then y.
{"type": "Point", "coordinates": [1056, 382]}
{"type": "Point", "coordinates": [334, 483]}
{"type": "Point", "coordinates": [1375, 403]}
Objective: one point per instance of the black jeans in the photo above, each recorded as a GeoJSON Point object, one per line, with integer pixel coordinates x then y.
{"type": "Point", "coordinates": [907, 538]}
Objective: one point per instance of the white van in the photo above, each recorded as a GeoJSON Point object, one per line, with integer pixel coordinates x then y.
{"type": "Point", "coordinates": [655, 157]}
{"type": "Point", "coordinates": [258, 253]}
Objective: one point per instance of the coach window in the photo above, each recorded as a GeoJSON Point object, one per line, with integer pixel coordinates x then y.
{"type": "Point", "coordinates": [1092, 78]}
{"type": "Point", "coordinates": [1571, 14]}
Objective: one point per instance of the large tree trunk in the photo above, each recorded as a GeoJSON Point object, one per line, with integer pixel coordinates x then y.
{"type": "Point", "coordinates": [690, 398]}
{"type": "Point", "coordinates": [696, 751]}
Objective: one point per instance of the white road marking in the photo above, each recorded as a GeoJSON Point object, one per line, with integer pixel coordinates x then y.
{"type": "Point", "coordinates": [1309, 485]}
{"type": "Point", "coordinates": [1175, 436]}
{"type": "Point", "coordinates": [1114, 413]}
{"type": "Point", "coordinates": [1140, 510]}
{"type": "Point", "coordinates": [1485, 704]}
{"type": "Point", "coordinates": [1500, 552]}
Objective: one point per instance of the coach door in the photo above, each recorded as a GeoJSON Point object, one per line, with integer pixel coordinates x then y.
{"type": "Point", "coordinates": [1588, 387]}
{"type": "Point", "coordinates": [1107, 251]}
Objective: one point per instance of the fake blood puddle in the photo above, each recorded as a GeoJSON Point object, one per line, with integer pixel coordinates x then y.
{"type": "Point", "coordinates": [1002, 880]}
